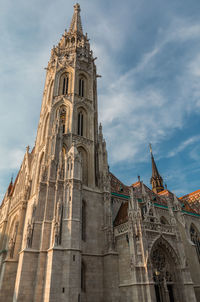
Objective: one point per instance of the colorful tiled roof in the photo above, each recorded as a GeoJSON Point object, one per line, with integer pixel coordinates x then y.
{"type": "Point", "coordinates": [192, 200]}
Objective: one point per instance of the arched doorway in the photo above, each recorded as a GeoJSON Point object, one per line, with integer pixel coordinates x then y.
{"type": "Point", "coordinates": [166, 273]}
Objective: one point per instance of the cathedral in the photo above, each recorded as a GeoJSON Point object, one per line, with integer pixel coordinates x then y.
{"type": "Point", "coordinates": [70, 230]}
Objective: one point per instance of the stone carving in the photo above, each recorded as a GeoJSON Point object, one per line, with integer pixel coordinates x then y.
{"type": "Point", "coordinates": [29, 235]}
{"type": "Point", "coordinates": [56, 233]}
{"type": "Point", "coordinates": [11, 247]}
{"type": "Point", "coordinates": [58, 223]}
{"type": "Point", "coordinates": [30, 228]}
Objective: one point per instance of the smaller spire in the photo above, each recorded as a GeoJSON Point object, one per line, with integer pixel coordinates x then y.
{"type": "Point", "coordinates": [156, 180]}
{"type": "Point", "coordinates": [10, 185]}
{"type": "Point", "coordinates": [76, 26]}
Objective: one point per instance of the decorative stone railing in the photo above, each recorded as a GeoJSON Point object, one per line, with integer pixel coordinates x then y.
{"type": "Point", "coordinates": [121, 229]}
{"type": "Point", "coordinates": [148, 226]}
{"type": "Point", "coordinates": [158, 227]}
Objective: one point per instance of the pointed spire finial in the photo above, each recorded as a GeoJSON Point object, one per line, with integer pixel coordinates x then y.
{"type": "Point", "coordinates": [150, 148]}
{"type": "Point", "coordinates": [156, 180]}
{"type": "Point", "coordinates": [76, 26]}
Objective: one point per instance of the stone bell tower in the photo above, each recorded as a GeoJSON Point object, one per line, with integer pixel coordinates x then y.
{"type": "Point", "coordinates": [70, 100]}
{"type": "Point", "coordinates": [67, 233]}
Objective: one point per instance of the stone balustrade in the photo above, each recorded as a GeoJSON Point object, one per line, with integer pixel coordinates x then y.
{"type": "Point", "coordinates": [158, 227]}
{"type": "Point", "coordinates": [148, 226]}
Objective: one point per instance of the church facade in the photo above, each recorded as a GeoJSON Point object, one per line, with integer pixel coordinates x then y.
{"type": "Point", "coordinates": [69, 229]}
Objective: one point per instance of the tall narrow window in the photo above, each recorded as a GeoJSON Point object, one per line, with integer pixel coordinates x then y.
{"type": "Point", "coordinates": [63, 92]}
{"type": "Point", "coordinates": [195, 237]}
{"type": "Point", "coordinates": [83, 221]}
{"type": "Point", "coordinates": [64, 84]}
{"type": "Point", "coordinates": [81, 87]}
{"type": "Point", "coordinates": [83, 287]}
{"type": "Point", "coordinates": [80, 123]}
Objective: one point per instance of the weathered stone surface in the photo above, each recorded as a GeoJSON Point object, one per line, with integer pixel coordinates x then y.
{"type": "Point", "coordinates": [69, 229]}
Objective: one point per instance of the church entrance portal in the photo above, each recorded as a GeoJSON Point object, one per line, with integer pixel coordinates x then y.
{"type": "Point", "coordinates": [164, 274]}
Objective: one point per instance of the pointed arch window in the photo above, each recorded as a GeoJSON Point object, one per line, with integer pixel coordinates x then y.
{"type": "Point", "coordinates": [195, 237]}
{"type": "Point", "coordinates": [81, 87]}
{"type": "Point", "coordinates": [64, 84]}
{"type": "Point", "coordinates": [80, 123]}
{"type": "Point", "coordinates": [83, 273]}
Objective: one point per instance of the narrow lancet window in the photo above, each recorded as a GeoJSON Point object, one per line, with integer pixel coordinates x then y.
{"type": "Point", "coordinates": [80, 123]}
{"type": "Point", "coordinates": [83, 281]}
{"type": "Point", "coordinates": [65, 85]}
{"type": "Point", "coordinates": [81, 87]}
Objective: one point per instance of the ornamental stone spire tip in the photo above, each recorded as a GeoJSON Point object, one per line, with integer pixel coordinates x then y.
{"type": "Point", "coordinates": [76, 26]}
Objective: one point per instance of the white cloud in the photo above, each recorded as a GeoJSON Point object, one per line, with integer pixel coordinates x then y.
{"type": "Point", "coordinates": [184, 145]}
{"type": "Point", "coordinates": [134, 116]}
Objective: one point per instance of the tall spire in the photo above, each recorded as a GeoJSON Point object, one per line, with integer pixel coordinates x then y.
{"type": "Point", "coordinates": [156, 180]}
{"type": "Point", "coordinates": [76, 26]}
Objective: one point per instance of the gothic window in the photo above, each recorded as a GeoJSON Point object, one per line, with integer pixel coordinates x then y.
{"type": "Point", "coordinates": [80, 123]}
{"type": "Point", "coordinates": [83, 221]}
{"type": "Point", "coordinates": [64, 84]}
{"type": "Point", "coordinates": [83, 271]}
{"type": "Point", "coordinates": [81, 87]}
{"type": "Point", "coordinates": [195, 237]}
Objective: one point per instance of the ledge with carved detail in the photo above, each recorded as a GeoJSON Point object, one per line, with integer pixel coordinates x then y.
{"type": "Point", "coordinates": [148, 226]}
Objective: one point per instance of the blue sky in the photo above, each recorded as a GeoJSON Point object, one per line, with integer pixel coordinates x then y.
{"type": "Point", "coordinates": [149, 59]}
